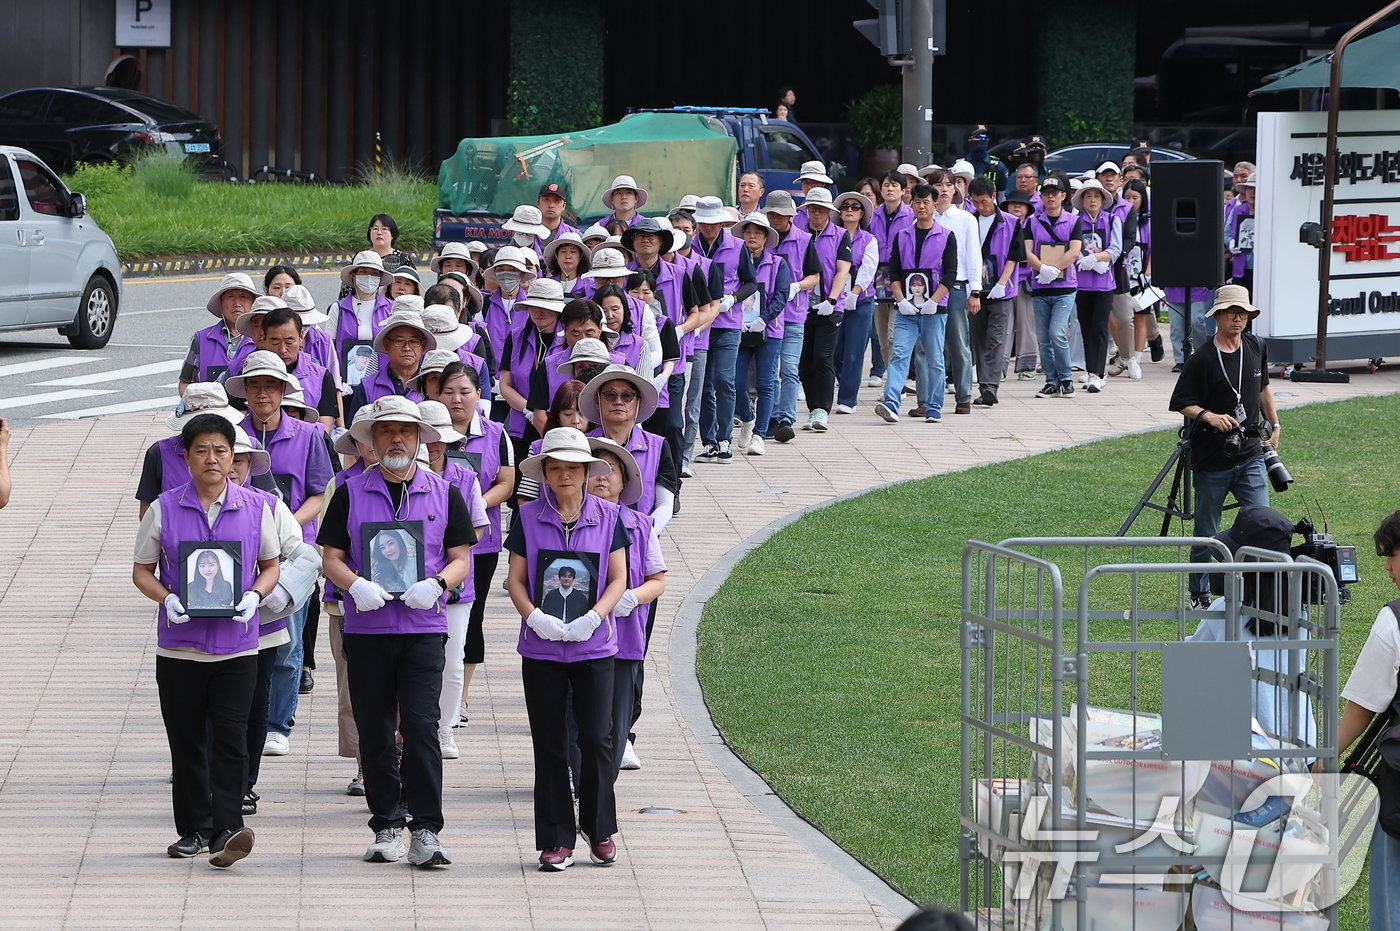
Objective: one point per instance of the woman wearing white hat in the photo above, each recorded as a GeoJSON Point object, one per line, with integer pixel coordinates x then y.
{"type": "Point", "coordinates": [459, 599]}
{"type": "Point", "coordinates": [213, 349]}
{"type": "Point", "coordinates": [507, 280]}
{"type": "Point", "coordinates": [523, 377]}
{"type": "Point", "coordinates": [619, 400]}
{"type": "Point", "coordinates": [624, 197]}
{"type": "Point", "coordinates": [569, 531]}
{"type": "Point", "coordinates": [453, 341]}
{"type": "Point", "coordinates": [454, 257]}
{"type": "Point", "coordinates": [854, 211]}
{"type": "Point", "coordinates": [762, 338]}
{"type": "Point", "coordinates": [566, 259]}
{"type": "Point", "coordinates": [402, 342]}
{"type": "Point", "coordinates": [1103, 243]}
{"type": "Point", "coordinates": [359, 314]}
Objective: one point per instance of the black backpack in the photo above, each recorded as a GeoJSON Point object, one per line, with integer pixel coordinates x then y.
{"type": "Point", "coordinates": [1377, 755]}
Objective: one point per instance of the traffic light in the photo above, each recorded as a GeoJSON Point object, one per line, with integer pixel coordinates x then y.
{"type": "Point", "coordinates": [889, 30]}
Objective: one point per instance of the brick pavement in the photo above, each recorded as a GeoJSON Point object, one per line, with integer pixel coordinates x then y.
{"type": "Point", "coordinates": [84, 803]}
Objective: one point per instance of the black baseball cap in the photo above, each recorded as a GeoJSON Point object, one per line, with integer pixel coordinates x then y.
{"type": "Point", "coordinates": [555, 188]}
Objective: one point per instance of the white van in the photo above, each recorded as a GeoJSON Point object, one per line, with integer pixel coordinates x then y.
{"type": "Point", "coordinates": [57, 268]}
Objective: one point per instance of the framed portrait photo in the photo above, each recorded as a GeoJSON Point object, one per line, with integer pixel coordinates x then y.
{"type": "Point", "coordinates": [360, 361]}
{"type": "Point", "coordinates": [283, 481]}
{"type": "Point", "coordinates": [566, 583]}
{"type": "Point", "coordinates": [469, 459]}
{"type": "Point", "coordinates": [392, 554]}
{"type": "Point", "coordinates": [919, 285]}
{"type": "Point", "coordinates": [211, 574]}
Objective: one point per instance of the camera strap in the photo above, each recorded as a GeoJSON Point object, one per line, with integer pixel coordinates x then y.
{"type": "Point", "coordinates": [1235, 385]}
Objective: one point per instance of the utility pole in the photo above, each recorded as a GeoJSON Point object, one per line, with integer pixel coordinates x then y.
{"type": "Point", "coordinates": [918, 83]}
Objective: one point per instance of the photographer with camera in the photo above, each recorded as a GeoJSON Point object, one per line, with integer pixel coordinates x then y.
{"type": "Point", "coordinates": [1222, 390]}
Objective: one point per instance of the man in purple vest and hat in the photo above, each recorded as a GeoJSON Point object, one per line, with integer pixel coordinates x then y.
{"type": "Point", "coordinates": [212, 349]}
{"type": "Point", "coordinates": [397, 539]}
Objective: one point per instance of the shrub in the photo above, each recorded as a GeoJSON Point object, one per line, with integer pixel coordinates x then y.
{"type": "Point", "coordinates": [163, 173]}
{"type": "Point", "coordinates": [97, 181]}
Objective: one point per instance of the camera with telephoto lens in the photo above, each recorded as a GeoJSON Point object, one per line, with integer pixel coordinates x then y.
{"type": "Point", "coordinates": [1341, 559]}
{"type": "Point", "coordinates": [1234, 440]}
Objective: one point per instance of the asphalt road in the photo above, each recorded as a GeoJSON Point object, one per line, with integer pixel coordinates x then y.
{"type": "Point", "coordinates": [43, 379]}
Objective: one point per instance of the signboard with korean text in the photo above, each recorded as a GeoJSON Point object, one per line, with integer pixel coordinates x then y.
{"type": "Point", "coordinates": [1365, 239]}
{"type": "Point", "coordinates": [143, 23]}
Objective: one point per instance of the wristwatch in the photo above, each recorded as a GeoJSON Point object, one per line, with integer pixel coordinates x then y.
{"type": "Point", "coordinates": [441, 581]}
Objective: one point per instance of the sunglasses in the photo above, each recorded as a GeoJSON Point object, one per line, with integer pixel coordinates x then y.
{"type": "Point", "coordinates": [851, 205]}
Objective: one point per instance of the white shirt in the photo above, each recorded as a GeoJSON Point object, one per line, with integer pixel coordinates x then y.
{"type": "Point", "coordinates": [1372, 681]}
{"type": "Point", "coordinates": [964, 229]}
{"type": "Point", "coordinates": [364, 316]}
{"type": "Point", "coordinates": [863, 268]}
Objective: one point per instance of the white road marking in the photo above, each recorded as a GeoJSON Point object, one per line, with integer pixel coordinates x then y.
{"type": "Point", "coordinates": [38, 365]}
{"type": "Point", "coordinates": [126, 407]}
{"type": "Point", "coordinates": [50, 397]}
{"type": "Point", "coordinates": [97, 378]}
{"type": "Point", "coordinates": [163, 310]}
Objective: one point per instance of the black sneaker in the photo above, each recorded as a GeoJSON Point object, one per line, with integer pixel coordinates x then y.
{"type": "Point", "coordinates": [1201, 601]}
{"type": "Point", "coordinates": [988, 398]}
{"type": "Point", "coordinates": [250, 802]}
{"type": "Point", "coordinates": [724, 456]}
{"type": "Point", "coordinates": [1158, 351]}
{"type": "Point", "coordinates": [308, 682]}
{"type": "Point", "coordinates": [1066, 389]}
{"type": "Point", "coordinates": [784, 433]}
{"type": "Point", "coordinates": [230, 847]}
{"type": "Point", "coordinates": [709, 454]}
{"type": "Point", "coordinates": [188, 846]}
{"type": "Point", "coordinates": [1177, 368]}
{"type": "Point", "coordinates": [1051, 390]}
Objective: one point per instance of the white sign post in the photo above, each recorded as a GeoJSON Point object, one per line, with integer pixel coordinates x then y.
{"type": "Point", "coordinates": [1364, 243]}
{"type": "Point", "coordinates": [143, 23]}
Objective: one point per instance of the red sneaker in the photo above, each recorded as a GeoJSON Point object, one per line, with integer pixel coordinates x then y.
{"type": "Point", "coordinates": [603, 852]}
{"type": "Point", "coordinates": [556, 859]}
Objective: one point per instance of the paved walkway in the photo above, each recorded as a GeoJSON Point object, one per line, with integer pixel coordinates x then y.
{"type": "Point", "coordinates": [84, 804]}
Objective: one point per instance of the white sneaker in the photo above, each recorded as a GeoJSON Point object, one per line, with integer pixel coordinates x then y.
{"type": "Point", "coordinates": [447, 744]}
{"type": "Point", "coordinates": [1134, 369]}
{"type": "Point", "coordinates": [387, 846]}
{"type": "Point", "coordinates": [687, 471]}
{"type": "Point", "coordinates": [426, 850]}
{"type": "Point", "coordinates": [844, 409]}
{"type": "Point", "coordinates": [886, 413]}
{"type": "Point", "coordinates": [818, 422]}
{"type": "Point", "coordinates": [743, 434]}
{"type": "Point", "coordinates": [874, 381]}
{"type": "Point", "coordinates": [630, 760]}
{"type": "Point", "coordinates": [1082, 378]}
{"type": "Point", "coordinates": [1117, 366]}
{"type": "Point", "coordinates": [755, 446]}
{"type": "Point", "coordinates": [276, 744]}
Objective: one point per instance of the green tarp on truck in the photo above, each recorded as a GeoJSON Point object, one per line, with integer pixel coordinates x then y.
{"type": "Point", "coordinates": [670, 154]}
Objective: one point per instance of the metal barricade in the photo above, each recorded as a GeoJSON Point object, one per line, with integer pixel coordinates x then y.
{"type": "Point", "coordinates": [1113, 737]}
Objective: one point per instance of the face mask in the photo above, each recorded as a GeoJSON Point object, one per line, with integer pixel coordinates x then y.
{"type": "Point", "coordinates": [508, 281]}
{"type": "Point", "coordinates": [366, 283]}
{"type": "Point", "coordinates": [977, 147]}
{"type": "Point", "coordinates": [523, 239]}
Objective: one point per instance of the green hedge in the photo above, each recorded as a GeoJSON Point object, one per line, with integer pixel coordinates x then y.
{"type": "Point", "coordinates": [1085, 80]}
{"type": "Point", "coordinates": [556, 66]}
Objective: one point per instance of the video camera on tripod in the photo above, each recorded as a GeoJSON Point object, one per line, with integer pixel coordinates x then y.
{"type": "Point", "coordinates": [1338, 557]}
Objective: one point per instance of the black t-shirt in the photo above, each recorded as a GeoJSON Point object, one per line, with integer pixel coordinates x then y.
{"type": "Point", "coordinates": [335, 530]}
{"type": "Point", "coordinates": [1209, 379]}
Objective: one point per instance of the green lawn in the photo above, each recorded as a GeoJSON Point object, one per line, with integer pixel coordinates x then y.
{"type": "Point", "coordinates": [831, 656]}
{"type": "Point", "coordinates": [148, 213]}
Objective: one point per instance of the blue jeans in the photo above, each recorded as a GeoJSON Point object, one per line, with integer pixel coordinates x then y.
{"type": "Point", "coordinates": [1247, 481]}
{"type": "Point", "coordinates": [1202, 327]}
{"type": "Point", "coordinates": [851, 341]}
{"type": "Point", "coordinates": [765, 359]}
{"type": "Point", "coordinates": [717, 412]}
{"type": "Point", "coordinates": [905, 332]}
{"type": "Point", "coordinates": [1385, 881]}
{"type": "Point", "coordinates": [286, 676]}
{"type": "Point", "coordinates": [1052, 316]}
{"type": "Point", "coordinates": [694, 376]}
{"type": "Point", "coordinates": [958, 346]}
{"type": "Point", "coordinates": [877, 358]}
{"type": "Point", "coordinates": [789, 360]}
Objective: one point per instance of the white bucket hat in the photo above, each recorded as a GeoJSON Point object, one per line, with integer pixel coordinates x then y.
{"type": "Point", "coordinates": [856, 196]}
{"type": "Point", "coordinates": [567, 445]}
{"type": "Point", "coordinates": [407, 304]}
{"type": "Point", "coordinates": [297, 399]}
{"type": "Point", "coordinates": [908, 170]}
{"type": "Point", "coordinates": [546, 293]}
{"type": "Point", "coordinates": [203, 397]}
{"type": "Point", "coordinates": [366, 259]}
{"type": "Point", "coordinates": [688, 202]}
{"type": "Point", "coordinates": [622, 182]}
{"type": "Point", "coordinates": [236, 281]}
{"type": "Point", "coordinates": [710, 209]}
{"type": "Point", "coordinates": [454, 250]}
{"type": "Point", "coordinates": [678, 239]}
{"type": "Point", "coordinates": [345, 443]}
{"type": "Point", "coordinates": [299, 299]}
{"type": "Point", "coordinates": [261, 306]}
{"type": "Point", "coordinates": [508, 257]}
{"type": "Point", "coordinates": [392, 408]}
{"type": "Point", "coordinates": [927, 170]}
{"type": "Point", "coordinates": [588, 397]}
{"type": "Point", "coordinates": [527, 219]}
{"type": "Point", "coordinates": [759, 220]}
{"type": "Point", "coordinates": [818, 197]}
{"type": "Point", "coordinates": [405, 318]}
{"type": "Point", "coordinates": [258, 363]}
{"type": "Point", "coordinates": [585, 350]}
{"type": "Point", "coordinates": [1091, 184]}
{"type": "Point", "coordinates": [962, 168]}
{"type": "Point", "coordinates": [259, 459]}
{"type": "Point", "coordinates": [615, 243]}
{"type": "Point", "coordinates": [608, 263]}
{"type": "Point", "coordinates": [433, 363]}
{"type": "Point", "coordinates": [436, 414]}
{"type": "Point", "coordinates": [596, 231]}
{"type": "Point", "coordinates": [814, 171]}
{"type": "Point", "coordinates": [632, 474]}
{"type": "Point", "coordinates": [450, 332]}
{"type": "Point", "coordinates": [568, 239]}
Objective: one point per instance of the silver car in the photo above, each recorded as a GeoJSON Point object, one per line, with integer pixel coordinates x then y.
{"type": "Point", "coordinates": [57, 268]}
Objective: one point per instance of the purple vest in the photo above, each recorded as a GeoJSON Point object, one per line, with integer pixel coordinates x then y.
{"type": "Point", "coordinates": [316, 343]}
{"type": "Point", "coordinates": [466, 481]}
{"type": "Point", "coordinates": [646, 449]}
{"type": "Point", "coordinates": [670, 291]}
{"type": "Point", "coordinates": [885, 227]}
{"type": "Point", "coordinates": [348, 325]}
{"type": "Point", "coordinates": [312, 376]}
{"type": "Point", "coordinates": [182, 520]}
{"type": "Point", "coordinates": [828, 241]}
{"type": "Point", "coordinates": [424, 500]}
{"type": "Point", "coordinates": [996, 248]}
{"type": "Point", "coordinates": [344, 475]}
{"type": "Point", "coordinates": [726, 252]}
{"type": "Point", "coordinates": [1064, 227]}
{"type": "Point", "coordinates": [859, 241]}
{"type": "Point", "coordinates": [215, 356]}
{"type": "Point", "coordinates": [524, 345]}
{"type": "Point", "coordinates": [174, 470]}
{"type": "Point", "coordinates": [381, 385]}
{"type": "Point", "coordinates": [1239, 264]}
{"type": "Point", "coordinates": [1098, 233]}
{"type": "Point", "coordinates": [500, 323]}
{"type": "Point", "coordinates": [271, 627]}
{"type": "Point", "coordinates": [291, 447]}
{"type": "Point", "coordinates": [793, 247]}
{"type": "Point", "coordinates": [767, 274]}
{"type": "Point", "coordinates": [488, 446]}
{"type": "Point", "coordinates": [632, 628]}
{"type": "Point", "coordinates": [592, 536]}
{"type": "Point", "coordinates": [691, 263]}
{"type": "Point", "coordinates": [930, 254]}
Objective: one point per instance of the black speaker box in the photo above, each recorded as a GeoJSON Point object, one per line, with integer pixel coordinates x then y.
{"type": "Point", "coordinates": [1188, 224]}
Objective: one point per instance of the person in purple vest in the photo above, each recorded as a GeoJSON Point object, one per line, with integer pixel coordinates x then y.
{"type": "Point", "coordinates": [810, 176]}
{"type": "Point", "coordinates": [393, 641]}
{"type": "Point", "coordinates": [1055, 233]}
{"type": "Point", "coordinates": [283, 334]}
{"type": "Point", "coordinates": [618, 400]}
{"type": "Point", "coordinates": [552, 201]}
{"type": "Point", "coordinates": [1024, 348]}
{"type": "Point", "coordinates": [1240, 236]}
{"type": "Point", "coordinates": [569, 529]}
{"type": "Point", "coordinates": [509, 279]}
{"type": "Point", "coordinates": [962, 299]}
{"type": "Point", "coordinates": [402, 342]}
{"type": "Point", "coordinates": [357, 317]}
{"type": "Point", "coordinates": [249, 325]}
{"type": "Point", "coordinates": [163, 467]}
{"type": "Point", "coordinates": [893, 215]}
{"type": "Point", "coordinates": [454, 338]}
{"type": "Point", "coordinates": [583, 360]}
{"type": "Point", "coordinates": [1002, 248]}
{"type": "Point", "coordinates": [566, 260]}
{"type": "Point", "coordinates": [524, 378]}
{"type": "Point", "coordinates": [854, 211]}
{"type": "Point", "coordinates": [301, 467]}
{"type": "Point", "coordinates": [207, 659]}
{"type": "Point", "coordinates": [624, 198]}
{"type": "Point", "coordinates": [731, 281]}
{"type": "Point", "coordinates": [923, 266]}
{"type": "Point", "coordinates": [1102, 242]}
{"type": "Point", "coordinates": [525, 227]}
{"type": "Point", "coordinates": [762, 328]}
{"type": "Point", "coordinates": [455, 257]}
{"type": "Point", "coordinates": [213, 348]}
{"type": "Point", "coordinates": [804, 269]}
{"type": "Point", "coordinates": [636, 609]}
{"type": "Point", "coordinates": [817, 369]}
{"type": "Point", "coordinates": [454, 292]}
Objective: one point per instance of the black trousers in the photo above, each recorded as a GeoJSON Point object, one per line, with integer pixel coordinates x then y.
{"type": "Point", "coordinates": [257, 713]}
{"type": "Point", "coordinates": [205, 705]}
{"type": "Point", "coordinates": [483, 570]}
{"type": "Point", "coordinates": [397, 679]}
{"type": "Point", "coordinates": [308, 633]}
{"type": "Point", "coordinates": [547, 689]}
{"type": "Point", "coordinates": [991, 329]}
{"type": "Point", "coordinates": [1094, 308]}
{"type": "Point", "coordinates": [817, 367]}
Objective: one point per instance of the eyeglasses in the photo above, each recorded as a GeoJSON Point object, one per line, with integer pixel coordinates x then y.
{"type": "Point", "coordinates": [403, 343]}
{"type": "Point", "coordinates": [624, 396]}
{"type": "Point", "coordinates": [852, 205]}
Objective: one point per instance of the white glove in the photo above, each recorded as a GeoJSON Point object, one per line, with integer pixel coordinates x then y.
{"type": "Point", "coordinates": [906, 308]}
{"type": "Point", "coordinates": [546, 626]}
{"type": "Point", "coordinates": [369, 596]}
{"type": "Point", "coordinates": [1101, 268]}
{"type": "Point", "coordinates": [626, 604]}
{"type": "Point", "coordinates": [997, 293]}
{"type": "Point", "coordinates": [794, 289]}
{"type": "Point", "coordinates": [824, 308]}
{"type": "Point", "coordinates": [278, 600]}
{"type": "Point", "coordinates": [1085, 262]}
{"type": "Point", "coordinates": [756, 325]}
{"type": "Point", "coordinates": [1234, 247]}
{"type": "Point", "coordinates": [726, 302]}
{"type": "Point", "coordinates": [582, 627]}
{"type": "Point", "coordinates": [247, 607]}
{"type": "Point", "coordinates": [1047, 273]}
{"type": "Point", "coordinates": [175, 609]}
{"type": "Point", "coordinates": [422, 594]}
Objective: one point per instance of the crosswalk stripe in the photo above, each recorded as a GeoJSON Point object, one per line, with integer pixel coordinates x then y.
{"type": "Point", "coordinates": [50, 397]}
{"type": "Point", "coordinates": [97, 378]}
{"type": "Point", "coordinates": [126, 407]}
{"type": "Point", "coordinates": [39, 365]}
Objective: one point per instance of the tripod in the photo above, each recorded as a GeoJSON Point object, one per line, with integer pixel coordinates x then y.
{"type": "Point", "coordinates": [1180, 461]}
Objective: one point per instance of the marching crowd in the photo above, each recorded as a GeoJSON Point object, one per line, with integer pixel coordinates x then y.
{"type": "Point", "coordinates": [352, 468]}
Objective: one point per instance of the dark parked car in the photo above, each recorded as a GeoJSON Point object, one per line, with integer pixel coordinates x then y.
{"type": "Point", "coordinates": [1086, 156]}
{"type": "Point", "coordinates": [67, 125]}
